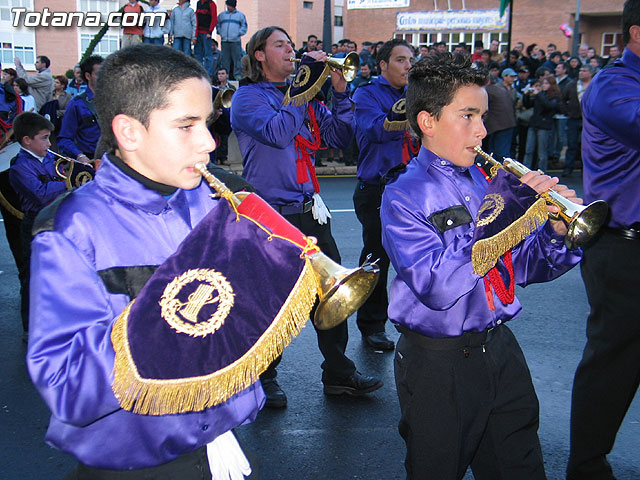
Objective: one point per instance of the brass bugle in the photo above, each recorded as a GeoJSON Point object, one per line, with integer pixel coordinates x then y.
{"type": "Point", "coordinates": [62, 159]}
{"type": "Point", "coordinates": [583, 222]}
{"type": "Point", "coordinates": [223, 99]}
{"type": "Point", "coordinates": [348, 65]}
{"type": "Point", "coordinates": [341, 291]}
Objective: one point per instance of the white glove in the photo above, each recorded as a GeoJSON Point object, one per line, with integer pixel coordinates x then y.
{"type": "Point", "coordinates": [320, 210]}
{"type": "Point", "coordinates": [226, 458]}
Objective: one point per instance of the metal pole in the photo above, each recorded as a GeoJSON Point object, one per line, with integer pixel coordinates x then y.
{"type": "Point", "coordinates": [576, 31]}
{"type": "Point", "coordinates": [509, 33]}
{"type": "Point", "coordinates": [327, 26]}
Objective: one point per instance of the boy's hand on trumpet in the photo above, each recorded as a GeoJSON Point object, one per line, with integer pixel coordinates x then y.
{"type": "Point", "coordinates": [542, 183]}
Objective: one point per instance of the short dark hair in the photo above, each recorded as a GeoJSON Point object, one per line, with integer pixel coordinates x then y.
{"type": "Point", "coordinates": [630, 17]}
{"type": "Point", "coordinates": [434, 81]}
{"type": "Point", "coordinates": [515, 53]}
{"type": "Point", "coordinates": [22, 83]}
{"type": "Point", "coordinates": [554, 55]}
{"type": "Point", "coordinates": [384, 52]}
{"type": "Point", "coordinates": [136, 80]}
{"type": "Point", "coordinates": [257, 43]}
{"type": "Point", "coordinates": [312, 36]}
{"type": "Point", "coordinates": [87, 65]}
{"type": "Point", "coordinates": [222, 68]}
{"type": "Point", "coordinates": [44, 59]}
{"type": "Point", "coordinates": [564, 65]}
{"type": "Point", "coordinates": [30, 124]}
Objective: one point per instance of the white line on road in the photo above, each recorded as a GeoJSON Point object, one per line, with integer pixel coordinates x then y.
{"type": "Point", "coordinates": [342, 210]}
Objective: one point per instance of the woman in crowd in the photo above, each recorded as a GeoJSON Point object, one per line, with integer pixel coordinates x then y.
{"type": "Point", "coordinates": [22, 88]}
{"type": "Point", "coordinates": [544, 96]}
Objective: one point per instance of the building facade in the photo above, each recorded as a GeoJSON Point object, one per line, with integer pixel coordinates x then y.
{"type": "Point", "coordinates": [420, 22]}
{"type": "Point", "coordinates": [423, 22]}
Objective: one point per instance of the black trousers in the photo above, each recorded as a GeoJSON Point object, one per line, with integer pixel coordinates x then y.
{"type": "Point", "coordinates": [332, 342]}
{"type": "Point", "coordinates": [24, 267]}
{"type": "Point", "coordinates": [608, 375]}
{"type": "Point", "coordinates": [372, 315]}
{"type": "Point", "coordinates": [464, 401]}
{"type": "Point", "coordinates": [191, 466]}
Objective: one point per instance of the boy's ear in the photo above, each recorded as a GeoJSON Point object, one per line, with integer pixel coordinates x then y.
{"type": "Point", "coordinates": [426, 122]}
{"type": "Point", "coordinates": [259, 55]}
{"type": "Point", "coordinates": [127, 131]}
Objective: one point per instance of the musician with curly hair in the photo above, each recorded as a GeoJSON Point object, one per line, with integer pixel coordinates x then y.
{"type": "Point", "coordinates": [465, 391]}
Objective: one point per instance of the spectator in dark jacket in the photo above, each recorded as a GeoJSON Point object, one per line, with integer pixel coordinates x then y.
{"type": "Point", "coordinates": [570, 106]}
{"type": "Point", "coordinates": [544, 97]}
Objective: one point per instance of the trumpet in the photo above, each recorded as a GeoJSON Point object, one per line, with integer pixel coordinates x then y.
{"type": "Point", "coordinates": [341, 291]}
{"type": "Point", "coordinates": [348, 65]}
{"type": "Point", "coordinates": [583, 222]}
{"type": "Point", "coordinates": [223, 99]}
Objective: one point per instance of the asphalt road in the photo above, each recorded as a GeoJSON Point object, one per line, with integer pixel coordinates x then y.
{"type": "Point", "coordinates": [322, 438]}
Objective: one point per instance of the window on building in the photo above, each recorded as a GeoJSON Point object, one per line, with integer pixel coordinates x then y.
{"type": "Point", "coordinates": [7, 5]}
{"type": "Point", "coordinates": [337, 21]}
{"type": "Point", "coordinates": [102, 6]}
{"type": "Point", "coordinates": [608, 41]}
{"type": "Point", "coordinates": [502, 37]}
{"type": "Point", "coordinates": [11, 51]}
{"type": "Point", "coordinates": [308, 5]}
{"type": "Point", "coordinates": [107, 45]}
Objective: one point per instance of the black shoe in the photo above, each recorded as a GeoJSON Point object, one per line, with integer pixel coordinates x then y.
{"type": "Point", "coordinates": [319, 163]}
{"type": "Point", "coordinates": [379, 341]}
{"type": "Point", "coordinates": [356, 384]}
{"type": "Point", "coordinates": [276, 397]}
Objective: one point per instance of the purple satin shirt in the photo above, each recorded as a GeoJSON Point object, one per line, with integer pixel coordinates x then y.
{"type": "Point", "coordinates": [266, 131]}
{"type": "Point", "coordinates": [380, 149]}
{"type": "Point", "coordinates": [111, 221]}
{"type": "Point", "coordinates": [611, 140]}
{"type": "Point", "coordinates": [435, 292]}
{"type": "Point", "coordinates": [35, 181]}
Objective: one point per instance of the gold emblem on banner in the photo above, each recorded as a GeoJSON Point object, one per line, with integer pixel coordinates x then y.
{"type": "Point", "coordinates": [212, 288]}
{"type": "Point", "coordinates": [303, 76]}
{"type": "Point", "coordinates": [492, 201]}
{"type": "Point", "coordinates": [400, 106]}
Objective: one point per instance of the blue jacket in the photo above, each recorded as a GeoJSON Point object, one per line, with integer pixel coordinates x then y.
{"type": "Point", "coordinates": [110, 222]}
{"type": "Point", "coordinates": [80, 130]}
{"type": "Point", "coordinates": [231, 25]}
{"type": "Point", "coordinates": [379, 149]}
{"type": "Point", "coordinates": [266, 131]}
{"type": "Point", "coordinates": [183, 22]}
{"type": "Point", "coordinates": [36, 182]}
{"type": "Point", "coordinates": [611, 140]}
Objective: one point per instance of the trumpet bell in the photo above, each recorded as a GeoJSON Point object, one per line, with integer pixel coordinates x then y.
{"type": "Point", "coordinates": [341, 290]}
{"type": "Point", "coordinates": [348, 65]}
{"type": "Point", "coordinates": [586, 224]}
{"type": "Point", "coordinates": [223, 99]}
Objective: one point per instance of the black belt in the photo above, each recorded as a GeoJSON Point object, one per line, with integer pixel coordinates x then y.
{"type": "Point", "coordinates": [304, 207]}
{"type": "Point", "coordinates": [467, 339]}
{"type": "Point", "coordinates": [628, 233]}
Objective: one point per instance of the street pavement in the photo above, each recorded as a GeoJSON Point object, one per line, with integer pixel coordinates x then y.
{"type": "Point", "coordinates": [322, 438]}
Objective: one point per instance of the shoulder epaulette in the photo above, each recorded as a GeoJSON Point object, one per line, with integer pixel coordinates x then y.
{"type": "Point", "coordinates": [45, 221]}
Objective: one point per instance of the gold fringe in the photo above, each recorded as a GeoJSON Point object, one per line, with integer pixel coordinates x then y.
{"type": "Point", "coordinates": [396, 125]}
{"type": "Point", "coordinates": [486, 252]}
{"type": "Point", "coordinates": [310, 93]}
{"type": "Point", "coordinates": [163, 397]}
